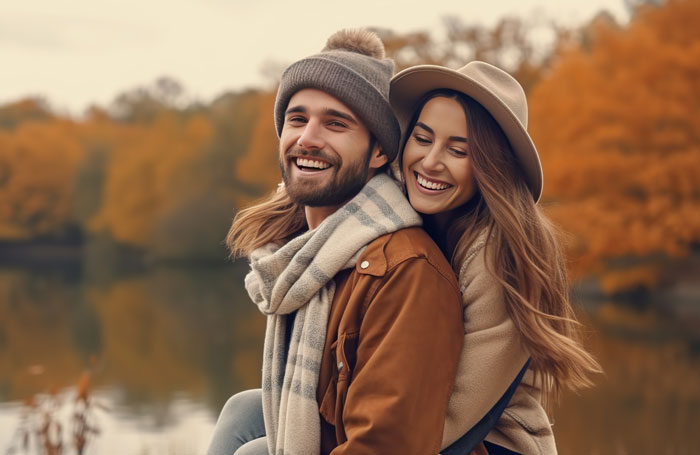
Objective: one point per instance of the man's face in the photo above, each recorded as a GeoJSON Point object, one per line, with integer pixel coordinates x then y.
{"type": "Point", "coordinates": [324, 150]}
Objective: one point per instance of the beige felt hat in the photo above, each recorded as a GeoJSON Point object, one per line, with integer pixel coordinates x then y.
{"type": "Point", "coordinates": [497, 91]}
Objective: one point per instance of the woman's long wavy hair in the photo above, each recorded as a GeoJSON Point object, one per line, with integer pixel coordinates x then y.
{"type": "Point", "coordinates": [277, 218]}
{"type": "Point", "coordinates": [523, 252]}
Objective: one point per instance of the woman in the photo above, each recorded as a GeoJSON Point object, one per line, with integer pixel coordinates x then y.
{"type": "Point", "coordinates": [472, 171]}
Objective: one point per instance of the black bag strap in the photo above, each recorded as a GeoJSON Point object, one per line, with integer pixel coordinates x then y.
{"type": "Point", "coordinates": [472, 438]}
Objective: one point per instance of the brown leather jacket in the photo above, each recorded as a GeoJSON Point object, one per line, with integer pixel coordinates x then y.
{"type": "Point", "coordinates": [389, 362]}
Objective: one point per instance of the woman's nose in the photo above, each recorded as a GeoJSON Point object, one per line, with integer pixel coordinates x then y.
{"type": "Point", "coordinates": [311, 138]}
{"type": "Point", "coordinates": [433, 160]}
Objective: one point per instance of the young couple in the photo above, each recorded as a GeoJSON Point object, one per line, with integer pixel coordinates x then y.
{"type": "Point", "coordinates": [385, 337]}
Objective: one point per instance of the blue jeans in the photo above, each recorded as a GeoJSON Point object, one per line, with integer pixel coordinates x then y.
{"type": "Point", "coordinates": [240, 429]}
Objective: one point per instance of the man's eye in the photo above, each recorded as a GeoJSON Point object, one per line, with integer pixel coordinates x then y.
{"type": "Point", "coordinates": [296, 119]}
{"type": "Point", "coordinates": [337, 124]}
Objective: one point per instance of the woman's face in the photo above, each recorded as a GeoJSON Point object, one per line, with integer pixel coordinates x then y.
{"type": "Point", "coordinates": [436, 164]}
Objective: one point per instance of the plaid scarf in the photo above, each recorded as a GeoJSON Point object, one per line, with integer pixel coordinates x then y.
{"type": "Point", "coordinates": [299, 277]}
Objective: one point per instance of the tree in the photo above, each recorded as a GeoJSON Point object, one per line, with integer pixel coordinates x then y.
{"type": "Point", "coordinates": [150, 174]}
{"type": "Point", "coordinates": [618, 128]}
{"type": "Point", "coordinates": [259, 167]}
{"type": "Point", "coordinates": [38, 162]}
{"type": "Point", "coordinates": [25, 110]}
{"type": "Point", "coordinates": [509, 45]}
{"type": "Point", "coordinates": [144, 104]}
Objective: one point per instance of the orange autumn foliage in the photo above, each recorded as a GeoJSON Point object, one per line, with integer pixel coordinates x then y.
{"type": "Point", "coordinates": [618, 129]}
{"type": "Point", "coordinates": [24, 110]}
{"type": "Point", "coordinates": [145, 176]}
{"type": "Point", "coordinates": [259, 166]}
{"type": "Point", "coordinates": [614, 116]}
{"type": "Point", "coordinates": [38, 161]}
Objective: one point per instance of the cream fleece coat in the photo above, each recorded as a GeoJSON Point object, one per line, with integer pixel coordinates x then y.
{"type": "Point", "coordinates": [492, 356]}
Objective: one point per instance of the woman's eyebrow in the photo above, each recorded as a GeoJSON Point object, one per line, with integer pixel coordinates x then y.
{"type": "Point", "coordinates": [425, 127]}
{"type": "Point", "coordinates": [451, 138]}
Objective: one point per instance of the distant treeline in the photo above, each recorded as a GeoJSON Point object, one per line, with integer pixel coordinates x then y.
{"type": "Point", "coordinates": [614, 112]}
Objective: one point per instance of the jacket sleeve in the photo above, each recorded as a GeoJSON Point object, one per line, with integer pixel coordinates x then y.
{"type": "Point", "coordinates": [408, 348]}
{"type": "Point", "coordinates": [492, 356]}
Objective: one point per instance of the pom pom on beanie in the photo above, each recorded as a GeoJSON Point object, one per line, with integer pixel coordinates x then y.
{"type": "Point", "coordinates": [357, 40]}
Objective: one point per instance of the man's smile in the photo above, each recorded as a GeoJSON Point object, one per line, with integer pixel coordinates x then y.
{"type": "Point", "coordinates": [311, 164]}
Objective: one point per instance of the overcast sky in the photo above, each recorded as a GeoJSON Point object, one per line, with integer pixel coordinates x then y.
{"type": "Point", "coordinates": [77, 52]}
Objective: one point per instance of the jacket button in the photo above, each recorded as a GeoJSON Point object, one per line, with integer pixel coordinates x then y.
{"type": "Point", "coordinates": [364, 265]}
{"type": "Point", "coordinates": [340, 365]}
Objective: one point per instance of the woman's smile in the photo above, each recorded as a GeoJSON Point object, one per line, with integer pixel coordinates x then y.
{"type": "Point", "coordinates": [430, 186]}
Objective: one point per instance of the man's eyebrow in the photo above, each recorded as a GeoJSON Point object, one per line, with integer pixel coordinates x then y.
{"type": "Point", "coordinates": [300, 109]}
{"type": "Point", "coordinates": [343, 115]}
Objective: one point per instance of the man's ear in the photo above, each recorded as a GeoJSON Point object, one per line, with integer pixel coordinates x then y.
{"type": "Point", "coordinates": [378, 157]}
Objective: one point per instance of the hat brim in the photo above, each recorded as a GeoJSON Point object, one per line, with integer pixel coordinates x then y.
{"type": "Point", "coordinates": [410, 85]}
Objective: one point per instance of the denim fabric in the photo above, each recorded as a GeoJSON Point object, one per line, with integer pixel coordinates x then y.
{"type": "Point", "coordinates": [240, 429]}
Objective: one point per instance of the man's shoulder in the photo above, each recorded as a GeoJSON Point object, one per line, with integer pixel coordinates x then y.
{"type": "Point", "coordinates": [407, 244]}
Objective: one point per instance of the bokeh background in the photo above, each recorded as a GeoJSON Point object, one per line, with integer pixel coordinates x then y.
{"type": "Point", "coordinates": [123, 326]}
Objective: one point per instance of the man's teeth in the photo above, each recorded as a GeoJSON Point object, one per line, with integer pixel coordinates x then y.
{"type": "Point", "coordinates": [303, 162]}
{"type": "Point", "coordinates": [431, 185]}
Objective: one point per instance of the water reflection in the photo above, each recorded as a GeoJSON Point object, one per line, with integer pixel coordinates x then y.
{"type": "Point", "coordinates": [172, 344]}
{"type": "Point", "coordinates": [648, 401]}
{"type": "Point", "coordinates": [44, 326]}
{"type": "Point", "coordinates": [159, 337]}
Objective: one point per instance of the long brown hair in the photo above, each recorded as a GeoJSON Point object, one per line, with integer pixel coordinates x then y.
{"type": "Point", "coordinates": [522, 251]}
{"type": "Point", "coordinates": [275, 219]}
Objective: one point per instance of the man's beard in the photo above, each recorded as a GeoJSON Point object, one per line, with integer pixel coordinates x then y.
{"type": "Point", "coordinates": [342, 186]}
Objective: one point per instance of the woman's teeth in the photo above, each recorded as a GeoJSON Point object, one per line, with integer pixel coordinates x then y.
{"type": "Point", "coordinates": [303, 162]}
{"type": "Point", "coordinates": [431, 185]}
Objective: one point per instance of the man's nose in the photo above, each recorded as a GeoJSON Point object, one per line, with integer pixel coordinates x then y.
{"type": "Point", "coordinates": [311, 138]}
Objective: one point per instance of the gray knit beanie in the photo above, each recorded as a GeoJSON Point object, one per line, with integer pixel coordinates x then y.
{"type": "Point", "coordinates": [352, 68]}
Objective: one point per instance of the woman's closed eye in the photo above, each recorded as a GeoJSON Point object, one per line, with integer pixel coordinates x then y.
{"type": "Point", "coordinates": [421, 139]}
{"type": "Point", "coordinates": [458, 152]}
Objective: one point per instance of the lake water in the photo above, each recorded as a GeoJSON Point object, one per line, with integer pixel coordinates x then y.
{"type": "Point", "coordinates": [166, 347]}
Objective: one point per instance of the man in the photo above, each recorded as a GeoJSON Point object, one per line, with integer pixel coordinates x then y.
{"type": "Point", "coordinates": [364, 315]}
